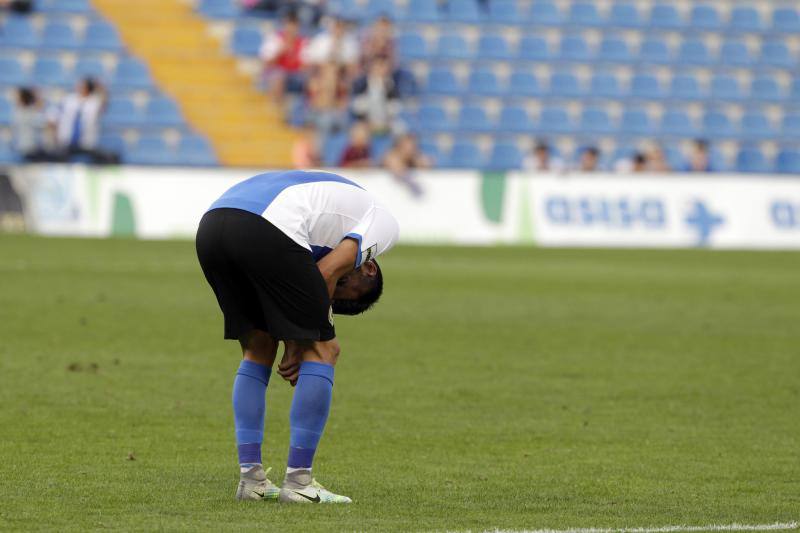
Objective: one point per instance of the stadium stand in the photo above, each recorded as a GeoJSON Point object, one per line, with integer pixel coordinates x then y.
{"type": "Point", "coordinates": [495, 74]}
{"type": "Point", "coordinates": [63, 41]}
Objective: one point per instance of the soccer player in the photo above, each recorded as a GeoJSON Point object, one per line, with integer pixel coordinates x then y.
{"type": "Point", "coordinates": [282, 252]}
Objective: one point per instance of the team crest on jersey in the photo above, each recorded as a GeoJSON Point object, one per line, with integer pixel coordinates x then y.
{"type": "Point", "coordinates": [370, 252]}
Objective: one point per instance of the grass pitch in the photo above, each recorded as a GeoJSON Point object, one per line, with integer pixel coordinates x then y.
{"type": "Point", "coordinates": [492, 388]}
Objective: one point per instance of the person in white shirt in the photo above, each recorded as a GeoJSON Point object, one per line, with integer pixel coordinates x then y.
{"type": "Point", "coordinates": [336, 44]}
{"type": "Point", "coordinates": [542, 160]}
{"type": "Point", "coordinates": [77, 122]}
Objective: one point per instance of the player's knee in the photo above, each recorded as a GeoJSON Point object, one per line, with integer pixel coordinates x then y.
{"type": "Point", "coordinates": [328, 351]}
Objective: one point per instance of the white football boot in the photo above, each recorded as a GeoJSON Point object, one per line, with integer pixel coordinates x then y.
{"type": "Point", "coordinates": [254, 485]}
{"type": "Point", "coordinates": [300, 487]}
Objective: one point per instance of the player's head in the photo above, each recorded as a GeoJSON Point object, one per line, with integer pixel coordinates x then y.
{"type": "Point", "coordinates": [359, 290]}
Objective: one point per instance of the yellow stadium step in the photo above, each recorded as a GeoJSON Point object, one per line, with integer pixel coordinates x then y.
{"type": "Point", "coordinates": [244, 126]}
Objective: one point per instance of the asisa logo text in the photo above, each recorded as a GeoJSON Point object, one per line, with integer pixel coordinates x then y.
{"type": "Point", "coordinates": [609, 212]}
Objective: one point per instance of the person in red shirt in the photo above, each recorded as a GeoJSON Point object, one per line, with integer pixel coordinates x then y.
{"type": "Point", "coordinates": [357, 153]}
{"type": "Point", "coordinates": [281, 53]}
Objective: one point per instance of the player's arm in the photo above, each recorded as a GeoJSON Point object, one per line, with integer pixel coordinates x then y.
{"type": "Point", "coordinates": [338, 262]}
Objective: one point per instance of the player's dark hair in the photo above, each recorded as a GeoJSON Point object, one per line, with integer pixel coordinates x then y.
{"type": "Point", "coordinates": [366, 301]}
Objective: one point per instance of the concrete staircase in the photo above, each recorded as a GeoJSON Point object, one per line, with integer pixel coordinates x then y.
{"type": "Point", "coordinates": [244, 126]}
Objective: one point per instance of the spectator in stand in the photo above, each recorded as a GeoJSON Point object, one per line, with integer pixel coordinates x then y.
{"type": "Point", "coordinates": [17, 6]}
{"type": "Point", "coordinates": [589, 159]}
{"type": "Point", "coordinates": [308, 11]}
{"type": "Point", "coordinates": [700, 158]}
{"type": "Point", "coordinates": [305, 151]}
{"type": "Point", "coordinates": [29, 127]}
{"type": "Point", "coordinates": [657, 159]}
{"type": "Point", "coordinates": [542, 160]}
{"type": "Point", "coordinates": [77, 123]}
{"type": "Point", "coordinates": [328, 98]}
{"type": "Point", "coordinates": [639, 163]}
{"type": "Point", "coordinates": [281, 53]}
{"type": "Point", "coordinates": [376, 99]}
{"type": "Point", "coordinates": [378, 43]}
{"type": "Point", "coordinates": [403, 157]}
{"type": "Point", "coordinates": [336, 44]}
{"type": "Point", "coordinates": [357, 153]}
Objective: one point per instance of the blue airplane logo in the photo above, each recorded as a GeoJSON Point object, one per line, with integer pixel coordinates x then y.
{"type": "Point", "coordinates": [703, 221]}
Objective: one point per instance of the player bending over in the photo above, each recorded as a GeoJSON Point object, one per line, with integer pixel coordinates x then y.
{"type": "Point", "coordinates": [282, 252]}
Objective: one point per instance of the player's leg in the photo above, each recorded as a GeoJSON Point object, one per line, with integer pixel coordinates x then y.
{"type": "Point", "coordinates": [309, 413]}
{"type": "Point", "coordinates": [249, 408]}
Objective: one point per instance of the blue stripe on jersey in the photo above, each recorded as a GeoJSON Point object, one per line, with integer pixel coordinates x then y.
{"type": "Point", "coordinates": [255, 194]}
{"type": "Point", "coordinates": [318, 252]}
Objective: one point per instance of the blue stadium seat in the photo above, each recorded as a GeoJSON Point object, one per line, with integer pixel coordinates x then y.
{"type": "Point", "coordinates": [645, 86]}
{"type": "Point", "coordinates": [504, 12]}
{"type": "Point", "coordinates": [654, 50]}
{"type": "Point", "coordinates": [102, 36]}
{"type": "Point", "coordinates": [794, 89]}
{"type": "Point", "coordinates": [431, 117]}
{"type": "Point", "coordinates": [453, 46]}
{"type": "Point", "coordinates": [422, 11]}
{"type": "Point", "coordinates": [685, 87]}
{"type": "Point", "coordinates": [785, 20]}
{"type": "Point", "coordinates": [624, 15]}
{"type": "Point", "coordinates": [514, 119]}
{"type": "Point", "coordinates": [245, 41]}
{"type": "Point", "coordinates": [50, 71]}
{"type": "Point", "coordinates": [605, 85]}
{"type": "Point", "coordinates": [665, 17]}
{"type": "Point", "coordinates": [776, 54]}
{"type": "Point", "coordinates": [431, 149]}
{"type": "Point", "coordinates": [332, 148]}
{"type": "Point", "coordinates": [533, 48]}
{"type": "Point", "coordinates": [544, 13]}
{"type": "Point", "coordinates": [693, 52]}
{"type": "Point", "coordinates": [635, 122]}
{"type": "Point", "coordinates": [573, 48]}
{"type": "Point", "coordinates": [790, 125]}
{"type": "Point", "coordinates": [565, 85]}
{"type": "Point", "coordinates": [765, 88]}
{"type": "Point", "coordinates": [595, 120]}
{"type": "Point", "coordinates": [493, 46]}
{"type": "Point", "coordinates": [555, 120]}
{"type": "Point", "coordinates": [218, 9]}
{"type": "Point", "coordinates": [750, 159]}
{"type": "Point", "coordinates": [132, 73]}
{"type": "Point", "coordinates": [505, 156]}
{"type": "Point", "coordinates": [584, 14]}
{"type": "Point", "coordinates": [59, 35]}
{"type": "Point", "coordinates": [473, 118]}
{"type": "Point", "coordinates": [90, 66]}
{"type": "Point", "coordinates": [196, 150]}
{"type": "Point", "coordinates": [7, 155]}
{"type": "Point", "coordinates": [465, 154]}
{"type": "Point", "coordinates": [734, 53]}
{"type": "Point", "coordinates": [745, 19]}
{"type": "Point", "coordinates": [412, 46]}
{"type": "Point", "coordinates": [483, 82]}
{"type": "Point", "coordinates": [463, 11]}
{"type": "Point", "coordinates": [614, 50]}
{"type": "Point", "coordinates": [122, 112]}
{"type": "Point", "coordinates": [5, 111]}
{"type": "Point", "coordinates": [677, 123]}
{"type": "Point", "coordinates": [164, 112]}
{"type": "Point", "coordinates": [725, 87]}
{"type": "Point", "coordinates": [11, 72]}
{"type": "Point", "coordinates": [755, 125]}
{"type": "Point", "coordinates": [78, 7]}
{"type": "Point", "coordinates": [705, 17]}
{"type": "Point", "coordinates": [716, 124]}
{"type": "Point", "coordinates": [377, 8]}
{"type": "Point", "coordinates": [114, 142]}
{"type": "Point", "coordinates": [788, 161]}
{"type": "Point", "coordinates": [524, 84]}
{"type": "Point", "coordinates": [442, 81]}
{"type": "Point", "coordinates": [18, 32]}
{"type": "Point", "coordinates": [151, 151]}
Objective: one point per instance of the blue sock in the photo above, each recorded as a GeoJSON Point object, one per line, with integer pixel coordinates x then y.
{"type": "Point", "coordinates": [310, 407]}
{"type": "Point", "coordinates": [249, 406]}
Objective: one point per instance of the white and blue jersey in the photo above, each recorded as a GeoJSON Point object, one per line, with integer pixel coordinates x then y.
{"type": "Point", "coordinates": [316, 210]}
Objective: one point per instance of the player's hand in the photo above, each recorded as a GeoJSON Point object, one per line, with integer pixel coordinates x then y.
{"type": "Point", "coordinates": [289, 367]}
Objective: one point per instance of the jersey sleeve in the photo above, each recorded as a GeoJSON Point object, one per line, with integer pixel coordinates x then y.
{"type": "Point", "coordinates": [375, 233]}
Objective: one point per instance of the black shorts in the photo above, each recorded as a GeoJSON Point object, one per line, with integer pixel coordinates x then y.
{"type": "Point", "coordinates": [262, 278]}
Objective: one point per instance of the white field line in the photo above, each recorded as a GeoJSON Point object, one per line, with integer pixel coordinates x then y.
{"type": "Point", "coordinates": [778, 526]}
